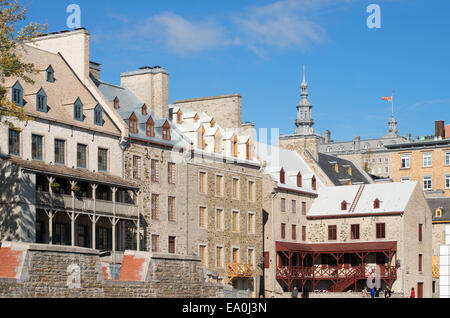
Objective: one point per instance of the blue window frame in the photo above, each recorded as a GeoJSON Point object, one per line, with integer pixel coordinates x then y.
{"type": "Point", "coordinates": [98, 115]}
{"type": "Point", "coordinates": [14, 142]}
{"type": "Point", "coordinates": [50, 74]}
{"type": "Point", "coordinates": [78, 110]}
{"type": "Point", "coordinates": [41, 101]}
{"type": "Point", "coordinates": [36, 147]}
{"type": "Point", "coordinates": [17, 94]}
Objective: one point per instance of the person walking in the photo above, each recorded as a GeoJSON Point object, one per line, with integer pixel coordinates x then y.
{"type": "Point", "coordinates": [372, 292]}
{"type": "Point", "coordinates": [387, 293]}
{"type": "Point", "coordinates": [364, 293]}
{"type": "Point", "coordinates": [294, 293]}
{"type": "Point", "coordinates": [413, 294]}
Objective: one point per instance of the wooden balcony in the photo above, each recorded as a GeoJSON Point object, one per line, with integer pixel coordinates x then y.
{"type": "Point", "coordinates": [236, 270]}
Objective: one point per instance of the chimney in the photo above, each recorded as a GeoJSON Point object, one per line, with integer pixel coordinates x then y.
{"type": "Point", "coordinates": [95, 69]}
{"type": "Point", "coordinates": [73, 46]}
{"type": "Point", "coordinates": [151, 86]}
{"type": "Point", "coordinates": [439, 129]}
{"type": "Point", "coordinates": [408, 137]}
{"type": "Point", "coordinates": [327, 136]}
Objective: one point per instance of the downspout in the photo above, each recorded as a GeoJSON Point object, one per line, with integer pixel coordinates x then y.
{"type": "Point", "coordinates": [274, 247]}
{"type": "Point", "coordinates": [403, 255]}
{"type": "Point", "coordinates": [187, 201]}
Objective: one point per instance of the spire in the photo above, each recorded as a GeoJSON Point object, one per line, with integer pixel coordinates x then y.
{"type": "Point", "coordinates": [304, 120]}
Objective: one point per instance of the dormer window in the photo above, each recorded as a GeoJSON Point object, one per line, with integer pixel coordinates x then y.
{"type": "Point", "coordinates": [234, 146]}
{"type": "Point", "coordinates": [212, 123]}
{"type": "Point", "coordinates": [116, 103]}
{"type": "Point", "coordinates": [41, 101]}
{"type": "Point", "coordinates": [132, 124]}
{"type": "Point", "coordinates": [17, 94]}
{"type": "Point", "coordinates": [313, 183]}
{"type": "Point", "coordinates": [344, 206]}
{"type": "Point", "coordinates": [179, 117]}
{"type": "Point", "coordinates": [50, 73]}
{"type": "Point", "coordinates": [166, 131]}
{"type": "Point", "coordinates": [282, 176]}
{"type": "Point", "coordinates": [438, 213]}
{"type": "Point", "coordinates": [150, 128]}
{"type": "Point", "coordinates": [98, 115]}
{"type": "Point", "coordinates": [144, 110]}
{"type": "Point", "coordinates": [350, 171]}
{"type": "Point", "coordinates": [249, 150]}
{"type": "Point", "coordinates": [299, 180]}
{"type": "Point", "coordinates": [78, 110]}
{"type": "Point", "coordinates": [201, 138]}
{"type": "Point", "coordinates": [196, 118]}
{"type": "Point", "coordinates": [376, 204]}
{"type": "Point", "coordinates": [336, 168]}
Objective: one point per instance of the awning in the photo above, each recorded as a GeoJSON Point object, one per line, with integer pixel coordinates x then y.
{"type": "Point", "coordinates": [321, 248]}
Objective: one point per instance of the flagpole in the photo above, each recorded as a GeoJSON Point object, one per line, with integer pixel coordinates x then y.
{"type": "Point", "coordinates": [392, 103]}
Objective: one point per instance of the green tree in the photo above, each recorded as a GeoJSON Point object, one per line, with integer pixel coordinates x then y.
{"type": "Point", "coordinates": [12, 35]}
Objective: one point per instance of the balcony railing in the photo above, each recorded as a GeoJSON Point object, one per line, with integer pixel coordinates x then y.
{"type": "Point", "coordinates": [235, 270]}
{"type": "Point", "coordinates": [87, 205]}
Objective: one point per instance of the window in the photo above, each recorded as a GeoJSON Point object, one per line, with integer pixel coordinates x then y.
{"type": "Point", "coordinates": [14, 142]}
{"type": "Point", "coordinates": [219, 185]}
{"type": "Point", "coordinates": [98, 115]}
{"type": "Point", "coordinates": [343, 206]}
{"type": "Point", "coordinates": [103, 238]}
{"type": "Point", "coordinates": [78, 110]}
{"type": "Point", "coordinates": [202, 182]}
{"type": "Point", "coordinates": [166, 131]}
{"type": "Point", "coordinates": [250, 256]}
{"type": "Point", "coordinates": [136, 167]}
{"type": "Point", "coordinates": [201, 138]}
{"type": "Point", "coordinates": [41, 101]}
{"type": "Point", "coordinates": [61, 235]}
{"type": "Point", "coordinates": [282, 176]}
{"type": "Point", "coordinates": [50, 74]}
{"type": "Point", "coordinates": [420, 232]}
{"type": "Point", "coordinates": [17, 94]}
{"type": "Point", "coordinates": [235, 189]}
{"type": "Point", "coordinates": [283, 205]}
{"type": "Point", "coordinates": [294, 232]}
{"type": "Point", "coordinates": [354, 231]}
{"type": "Point", "coordinates": [332, 230]}
{"type": "Point", "coordinates": [294, 206]}
{"type": "Point", "coordinates": [251, 191]}
{"type": "Point", "coordinates": [376, 204]}
{"type": "Point", "coordinates": [36, 147]}
{"type": "Point", "coordinates": [144, 110]}
{"type": "Point", "coordinates": [438, 213]}
{"type": "Point", "coordinates": [283, 230]}
{"type": "Point", "coordinates": [179, 117]}
{"type": "Point", "coordinates": [420, 262]}
{"type": "Point", "coordinates": [381, 230]}
{"type": "Point", "coordinates": [155, 243]}
{"type": "Point", "coordinates": [116, 103]}
{"type": "Point", "coordinates": [404, 179]}
{"type": "Point", "coordinates": [219, 219]}
{"type": "Point", "coordinates": [234, 146]}
{"type": "Point", "coordinates": [249, 150]}
{"type": "Point", "coordinates": [447, 182]}
{"type": "Point", "coordinates": [132, 124]}
{"type": "Point", "coordinates": [155, 207]}
{"type": "Point", "coordinates": [299, 180]}
{"type": "Point", "coordinates": [203, 217]}
{"type": "Point", "coordinates": [172, 212]}
{"type": "Point", "coordinates": [405, 161]}
{"type": "Point", "coordinates": [303, 208]}
{"type": "Point", "coordinates": [203, 255]}
{"type": "Point", "coordinates": [60, 151]}
{"type": "Point", "coordinates": [235, 221]}
{"type": "Point", "coordinates": [427, 183]}
{"type": "Point", "coordinates": [150, 128]}
{"type": "Point", "coordinates": [427, 159]}
{"type": "Point", "coordinates": [447, 158]}
{"type": "Point", "coordinates": [154, 170]}
{"type": "Point", "coordinates": [171, 173]}
{"type": "Point", "coordinates": [303, 233]}
{"type": "Point", "coordinates": [81, 156]}
{"type": "Point", "coordinates": [102, 159]}
{"type": "Point", "coordinates": [313, 183]}
{"type": "Point", "coordinates": [219, 256]}
{"type": "Point", "coordinates": [172, 244]}
{"type": "Point", "coordinates": [251, 223]}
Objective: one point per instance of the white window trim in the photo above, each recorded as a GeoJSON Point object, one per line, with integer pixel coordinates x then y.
{"type": "Point", "coordinates": [206, 217]}
{"type": "Point", "coordinates": [223, 219]}
{"type": "Point", "coordinates": [254, 222]}
{"type": "Point", "coordinates": [429, 156]}
{"type": "Point", "coordinates": [199, 182]}
{"type": "Point", "coordinates": [447, 155]}
{"type": "Point", "coordinates": [223, 185]}
{"type": "Point", "coordinates": [239, 253]}
{"type": "Point", "coordinates": [251, 248]}
{"type": "Point", "coordinates": [423, 182]}
{"type": "Point", "coordinates": [206, 252]}
{"type": "Point", "coordinates": [254, 190]}
{"type": "Point", "coordinates": [447, 177]}
{"type": "Point", "coordinates": [223, 255]}
{"type": "Point", "coordinates": [405, 156]}
{"type": "Point", "coordinates": [238, 190]}
{"type": "Point", "coordinates": [239, 221]}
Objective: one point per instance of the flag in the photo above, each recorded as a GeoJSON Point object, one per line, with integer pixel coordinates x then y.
{"type": "Point", "coordinates": [389, 99]}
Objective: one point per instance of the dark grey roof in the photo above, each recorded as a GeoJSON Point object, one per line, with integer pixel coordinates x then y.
{"type": "Point", "coordinates": [443, 204]}
{"type": "Point", "coordinates": [342, 177]}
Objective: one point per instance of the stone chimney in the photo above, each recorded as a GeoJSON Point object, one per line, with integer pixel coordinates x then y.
{"type": "Point", "coordinates": [151, 86]}
{"type": "Point", "coordinates": [73, 46]}
{"type": "Point", "coordinates": [439, 129]}
{"type": "Point", "coordinates": [95, 69]}
{"type": "Point", "coordinates": [408, 137]}
{"type": "Point", "coordinates": [327, 136]}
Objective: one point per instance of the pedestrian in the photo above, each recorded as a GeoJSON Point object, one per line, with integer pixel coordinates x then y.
{"type": "Point", "coordinates": [377, 292]}
{"type": "Point", "coordinates": [364, 293]}
{"type": "Point", "coordinates": [372, 292]}
{"type": "Point", "coordinates": [306, 293]}
{"type": "Point", "coordinates": [387, 293]}
{"type": "Point", "coordinates": [413, 294]}
{"type": "Point", "coordinates": [294, 293]}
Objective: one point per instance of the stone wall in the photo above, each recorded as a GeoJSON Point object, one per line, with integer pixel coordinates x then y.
{"type": "Point", "coordinates": [59, 271]}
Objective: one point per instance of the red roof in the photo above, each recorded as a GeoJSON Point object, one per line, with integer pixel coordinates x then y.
{"type": "Point", "coordinates": [337, 247]}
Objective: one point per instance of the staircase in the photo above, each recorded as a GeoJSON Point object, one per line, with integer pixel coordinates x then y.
{"type": "Point", "coordinates": [357, 197]}
{"type": "Point", "coordinates": [342, 284]}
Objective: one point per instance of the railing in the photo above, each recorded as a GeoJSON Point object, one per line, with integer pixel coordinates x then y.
{"type": "Point", "coordinates": [239, 270]}
{"type": "Point", "coordinates": [80, 204]}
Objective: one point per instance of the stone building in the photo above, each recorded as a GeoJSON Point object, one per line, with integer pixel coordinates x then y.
{"type": "Point", "coordinates": [62, 169]}
{"type": "Point", "coordinates": [350, 230]}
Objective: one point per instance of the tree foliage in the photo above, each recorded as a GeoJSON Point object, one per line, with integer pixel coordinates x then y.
{"type": "Point", "coordinates": [14, 33]}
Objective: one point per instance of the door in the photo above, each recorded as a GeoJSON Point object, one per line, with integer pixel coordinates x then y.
{"type": "Point", "coordinates": [419, 290]}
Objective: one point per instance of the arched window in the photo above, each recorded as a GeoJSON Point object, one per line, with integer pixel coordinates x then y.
{"type": "Point", "coordinates": [17, 94]}
{"type": "Point", "coordinates": [282, 176]}
{"type": "Point", "coordinates": [78, 110]}
{"type": "Point", "coordinates": [376, 204]}
{"type": "Point", "coordinates": [98, 115]}
{"type": "Point", "coordinates": [344, 206]}
{"type": "Point", "coordinates": [41, 101]}
{"type": "Point", "coordinates": [166, 131]}
{"type": "Point", "coordinates": [299, 180]}
{"type": "Point", "coordinates": [150, 128]}
{"type": "Point", "coordinates": [50, 73]}
{"type": "Point", "coordinates": [144, 110]}
{"type": "Point", "coordinates": [132, 124]}
{"type": "Point", "coordinates": [313, 183]}
{"type": "Point", "coordinates": [179, 117]}
{"type": "Point", "coordinates": [116, 103]}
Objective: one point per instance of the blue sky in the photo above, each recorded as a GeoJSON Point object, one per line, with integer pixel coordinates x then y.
{"type": "Point", "coordinates": [257, 49]}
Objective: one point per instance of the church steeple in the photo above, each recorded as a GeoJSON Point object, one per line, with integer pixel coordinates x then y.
{"type": "Point", "coordinates": [304, 120]}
